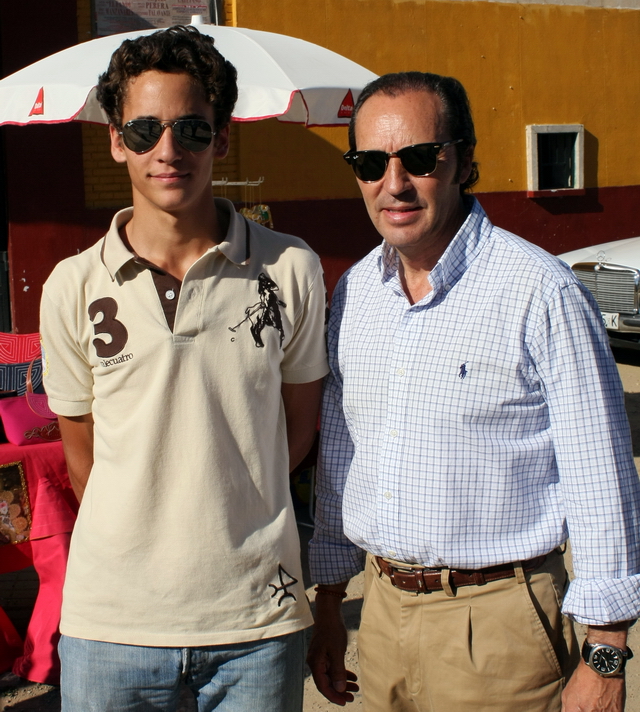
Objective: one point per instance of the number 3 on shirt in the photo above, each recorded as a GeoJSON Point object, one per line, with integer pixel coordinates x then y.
{"type": "Point", "coordinates": [108, 307]}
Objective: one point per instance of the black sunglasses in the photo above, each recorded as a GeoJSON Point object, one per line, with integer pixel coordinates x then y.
{"type": "Point", "coordinates": [421, 159]}
{"type": "Point", "coordinates": [141, 135]}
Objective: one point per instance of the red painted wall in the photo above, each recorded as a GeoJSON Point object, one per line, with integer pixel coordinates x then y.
{"type": "Point", "coordinates": [563, 224]}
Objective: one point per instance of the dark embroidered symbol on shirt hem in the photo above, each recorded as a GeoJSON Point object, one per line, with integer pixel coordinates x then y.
{"type": "Point", "coordinates": [286, 580]}
{"type": "Point", "coordinates": [463, 370]}
{"type": "Point", "coordinates": [266, 312]}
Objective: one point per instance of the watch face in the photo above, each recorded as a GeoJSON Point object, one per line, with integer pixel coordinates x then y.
{"type": "Point", "coordinates": [606, 660]}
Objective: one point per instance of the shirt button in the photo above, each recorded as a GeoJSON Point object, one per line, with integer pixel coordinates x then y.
{"type": "Point", "coordinates": [391, 554]}
{"type": "Point", "coordinates": [388, 495]}
{"type": "Point", "coordinates": [400, 372]}
{"type": "Point", "coordinates": [394, 433]}
{"type": "Point", "coordinates": [170, 294]}
{"type": "Point", "coordinates": [447, 287]}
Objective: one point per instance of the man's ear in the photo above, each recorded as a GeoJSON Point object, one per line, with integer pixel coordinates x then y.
{"type": "Point", "coordinates": [221, 143]}
{"type": "Point", "coordinates": [117, 149]}
{"type": "Point", "coordinates": [466, 165]}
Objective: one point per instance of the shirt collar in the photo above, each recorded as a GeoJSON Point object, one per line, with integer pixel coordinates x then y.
{"type": "Point", "coordinates": [235, 246]}
{"type": "Point", "coordinates": [461, 251]}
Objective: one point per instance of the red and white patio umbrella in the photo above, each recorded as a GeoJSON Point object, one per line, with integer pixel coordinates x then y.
{"type": "Point", "coordinates": [278, 76]}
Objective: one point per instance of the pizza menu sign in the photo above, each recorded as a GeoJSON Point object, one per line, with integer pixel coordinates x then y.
{"type": "Point", "coordinates": [114, 16]}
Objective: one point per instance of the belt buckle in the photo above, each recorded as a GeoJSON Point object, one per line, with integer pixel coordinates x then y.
{"type": "Point", "coordinates": [409, 570]}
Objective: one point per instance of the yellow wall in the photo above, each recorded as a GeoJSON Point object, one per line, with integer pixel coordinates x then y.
{"type": "Point", "coordinates": [521, 64]}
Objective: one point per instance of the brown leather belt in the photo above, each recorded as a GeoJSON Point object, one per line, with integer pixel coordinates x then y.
{"type": "Point", "coordinates": [419, 580]}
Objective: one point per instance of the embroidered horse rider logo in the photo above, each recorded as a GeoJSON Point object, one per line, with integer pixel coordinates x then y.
{"type": "Point", "coordinates": [463, 370]}
{"type": "Point", "coordinates": [266, 312]}
{"type": "Point", "coordinates": [286, 580]}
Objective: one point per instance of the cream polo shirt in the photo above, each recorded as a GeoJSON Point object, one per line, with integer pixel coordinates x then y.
{"type": "Point", "coordinates": [186, 535]}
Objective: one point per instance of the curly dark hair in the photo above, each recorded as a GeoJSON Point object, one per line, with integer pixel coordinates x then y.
{"type": "Point", "coordinates": [456, 109]}
{"type": "Point", "coordinates": [176, 49]}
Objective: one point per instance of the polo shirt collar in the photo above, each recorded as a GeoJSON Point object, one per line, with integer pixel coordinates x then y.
{"type": "Point", "coordinates": [114, 252]}
{"type": "Point", "coordinates": [461, 251]}
{"type": "Point", "coordinates": [235, 246]}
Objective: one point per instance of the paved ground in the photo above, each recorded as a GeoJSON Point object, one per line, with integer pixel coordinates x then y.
{"type": "Point", "coordinates": [17, 592]}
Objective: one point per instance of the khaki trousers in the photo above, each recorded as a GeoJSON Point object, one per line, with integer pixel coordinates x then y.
{"type": "Point", "coordinates": [500, 647]}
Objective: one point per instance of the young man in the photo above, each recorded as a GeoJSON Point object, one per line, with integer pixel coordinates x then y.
{"type": "Point", "coordinates": [184, 355]}
{"type": "Point", "coordinates": [472, 421]}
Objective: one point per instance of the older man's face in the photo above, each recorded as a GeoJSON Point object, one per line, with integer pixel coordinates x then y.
{"type": "Point", "coordinates": [416, 214]}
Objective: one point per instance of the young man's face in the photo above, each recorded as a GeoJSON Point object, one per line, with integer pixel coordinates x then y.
{"type": "Point", "coordinates": [168, 177]}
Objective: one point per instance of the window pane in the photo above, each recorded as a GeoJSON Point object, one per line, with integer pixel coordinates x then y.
{"type": "Point", "coordinates": [556, 160]}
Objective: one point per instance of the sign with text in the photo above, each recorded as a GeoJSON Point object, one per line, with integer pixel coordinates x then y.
{"type": "Point", "coordinates": [114, 16]}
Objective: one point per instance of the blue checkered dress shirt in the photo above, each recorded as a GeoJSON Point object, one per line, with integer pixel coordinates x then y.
{"type": "Point", "coordinates": [484, 424]}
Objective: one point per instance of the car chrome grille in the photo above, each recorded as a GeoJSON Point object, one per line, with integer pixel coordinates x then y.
{"type": "Point", "coordinates": [613, 286]}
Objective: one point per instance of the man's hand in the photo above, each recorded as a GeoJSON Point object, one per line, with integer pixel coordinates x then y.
{"type": "Point", "coordinates": [587, 691]}
{"type": "Point", "coordinates": [327, 649]}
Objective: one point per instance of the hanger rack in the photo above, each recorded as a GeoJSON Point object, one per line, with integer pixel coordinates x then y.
{"type": "Point", "coordinates": [240, 183]}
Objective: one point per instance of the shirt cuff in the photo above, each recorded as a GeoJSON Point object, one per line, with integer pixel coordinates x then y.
{"type": "Point", "coordinates": [70, 409]}
{"type": "Point", "coordinates": [306, 374]}
{"type": "Point", "coordinates": [603, 601]}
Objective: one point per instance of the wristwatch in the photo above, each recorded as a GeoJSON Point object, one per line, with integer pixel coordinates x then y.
{"type": "Point", "coordinates": [605, 659]}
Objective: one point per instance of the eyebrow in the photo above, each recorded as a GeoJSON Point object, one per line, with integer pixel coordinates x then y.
{"type": "Point", "coordinates": [150, 117]}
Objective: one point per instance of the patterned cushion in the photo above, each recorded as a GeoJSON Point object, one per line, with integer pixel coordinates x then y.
{"type": "Point", "coordinates": [13, 376]}
{"type": "Point", "coordinates": [18, 348]}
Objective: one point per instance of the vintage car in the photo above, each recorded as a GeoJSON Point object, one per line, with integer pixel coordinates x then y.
{"type": "Point", "coordinates": [611, 271]}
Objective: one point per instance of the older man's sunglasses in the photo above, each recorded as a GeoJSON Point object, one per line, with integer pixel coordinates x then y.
{"type": "Point", "coordinates": [142, 135]}
{"type": "Point", "coordinates": [421, 159]}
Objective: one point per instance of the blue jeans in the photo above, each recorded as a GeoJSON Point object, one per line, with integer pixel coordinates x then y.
{"type": "Point", "coordinates": [258, 676]}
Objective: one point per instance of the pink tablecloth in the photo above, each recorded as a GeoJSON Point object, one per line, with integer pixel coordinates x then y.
{"type": "Point", "coordinates": [53, 513]}
{"type": "Point", "coordinates": [53, 504]}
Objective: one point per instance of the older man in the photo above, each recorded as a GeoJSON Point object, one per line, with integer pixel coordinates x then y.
{"type": "Point", "coordinates": [473, 419]}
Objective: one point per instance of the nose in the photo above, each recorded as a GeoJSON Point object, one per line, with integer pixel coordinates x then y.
{"type": "Point", "coordinates": [167, 147]}
{"type": "Point", "coordinates": [396, 178]}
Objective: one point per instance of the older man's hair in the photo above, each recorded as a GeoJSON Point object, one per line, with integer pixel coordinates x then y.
{"type": "Point", "coordinates": [456, 110]}
{"type": "Point", "coordinates": [177, 49]}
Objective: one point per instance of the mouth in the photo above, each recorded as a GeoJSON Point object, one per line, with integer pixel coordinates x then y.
{"type": "Point", "coordinates": [400, 213]}
{"type": "Point", "coordinates": [169, 177]}
{"type": "Point", "coordinates": [402, 209]}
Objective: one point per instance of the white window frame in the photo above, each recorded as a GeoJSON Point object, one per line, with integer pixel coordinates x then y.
{"type": "Point", "coordinates": [533, 189]}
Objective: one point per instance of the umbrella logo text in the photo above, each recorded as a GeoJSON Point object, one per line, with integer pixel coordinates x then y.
{"type": "Point", "coordinates": [38, 107]}
{"type": "Point", "coordinates": [346, 107]}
